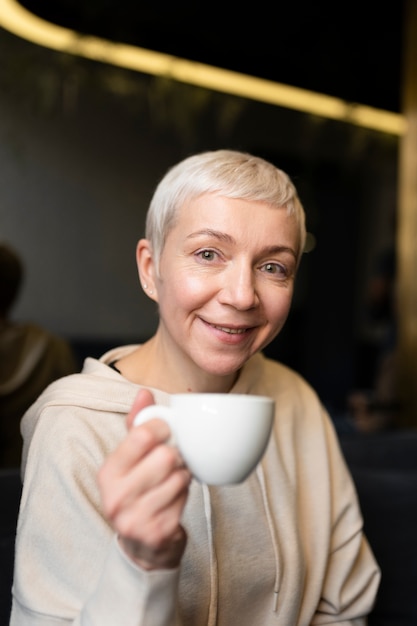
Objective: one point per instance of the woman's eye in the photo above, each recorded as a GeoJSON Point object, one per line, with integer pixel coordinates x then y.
{"type": "Point", "coordinates": [206, 255]}
{"type": "Point", "coordinates": [275, 269]}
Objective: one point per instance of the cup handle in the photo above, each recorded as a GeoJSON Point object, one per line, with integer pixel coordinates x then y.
{"type": "Point", "coordinates": [156, 410]}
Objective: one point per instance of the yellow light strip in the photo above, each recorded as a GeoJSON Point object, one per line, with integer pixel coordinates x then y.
{"type": "Point", "coordinates": [20, 22]}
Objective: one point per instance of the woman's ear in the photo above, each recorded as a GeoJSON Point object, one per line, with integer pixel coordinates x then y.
{"type": "Point", "coordinates": [146, 268]}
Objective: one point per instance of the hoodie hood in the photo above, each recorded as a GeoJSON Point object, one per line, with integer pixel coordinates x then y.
{"type": "Point", "coordinates": [98, 387]}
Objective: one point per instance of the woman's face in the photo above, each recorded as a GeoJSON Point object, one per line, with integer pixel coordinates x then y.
{"type": "Point", "coordinates": [225, 282]}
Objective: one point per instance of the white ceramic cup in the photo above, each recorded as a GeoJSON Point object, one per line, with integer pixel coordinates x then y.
{"type": "Point", "coordinates": [221, 436]}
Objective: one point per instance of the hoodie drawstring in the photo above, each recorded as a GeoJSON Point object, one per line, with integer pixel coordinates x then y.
{"type": "Point", "coordinates": [261, 478]}
{"type": "Point", "coordinates": [212, 617]}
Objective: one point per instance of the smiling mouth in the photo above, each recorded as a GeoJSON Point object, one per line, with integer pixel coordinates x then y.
{"type": "Point", "coordinates": [231, 331]}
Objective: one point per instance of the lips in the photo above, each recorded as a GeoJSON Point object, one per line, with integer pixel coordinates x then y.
{"type": "Point", "coordinates": [231, 331]}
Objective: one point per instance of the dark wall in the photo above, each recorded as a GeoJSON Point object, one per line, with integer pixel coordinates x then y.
{"type": "Point", "coordinates": [82, 148]}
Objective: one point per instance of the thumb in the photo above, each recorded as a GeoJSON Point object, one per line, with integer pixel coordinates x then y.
{"type": "Point", "coordinates": [143, 398]}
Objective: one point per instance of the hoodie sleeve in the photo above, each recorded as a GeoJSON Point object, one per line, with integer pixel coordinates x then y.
{"type": "Point", "coordinates": [69, 568]}
{"type": "Point", "coordinates": [351, 577]}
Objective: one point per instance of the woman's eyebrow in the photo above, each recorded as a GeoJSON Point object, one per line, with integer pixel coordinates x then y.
{"type": "Point", "coordinates": [208, 232]}
{"type": "Point", "coordinates": [270, 250]}
{"type": "Point", "coordinates": [279, 250]}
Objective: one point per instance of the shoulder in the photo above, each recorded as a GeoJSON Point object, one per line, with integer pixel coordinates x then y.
{"type": "Point", "coordinates": [298, 406]}
{"type": "Point", "coordinates": [274, 378]}
{"type": "Point", "coordinates": [71, 435]}
{"type": "Point", "coordinates": [81, 412]}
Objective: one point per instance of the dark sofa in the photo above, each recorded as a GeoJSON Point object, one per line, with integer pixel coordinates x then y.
{"type": "Point", "coordinates": [384, 468]}
{"type": "Point", "coordinates": [10, 490]}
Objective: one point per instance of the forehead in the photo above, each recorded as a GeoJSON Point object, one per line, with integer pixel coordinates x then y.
{"type": "Point", "coordinates": [235, 215]}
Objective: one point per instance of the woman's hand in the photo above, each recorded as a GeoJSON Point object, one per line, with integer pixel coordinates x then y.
{"type": "Point", "coordinates": [144, 487]}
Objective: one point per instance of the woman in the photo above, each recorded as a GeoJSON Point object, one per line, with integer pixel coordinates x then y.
{"type": "Point", "coordinates": [113, 530]}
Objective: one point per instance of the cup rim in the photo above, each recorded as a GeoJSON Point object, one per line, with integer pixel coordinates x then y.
{"type": "Point", "coordinates": [225, 395]}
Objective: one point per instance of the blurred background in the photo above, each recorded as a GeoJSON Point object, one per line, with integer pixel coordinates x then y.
{"type": "Point", "coordinates": [84, 142]}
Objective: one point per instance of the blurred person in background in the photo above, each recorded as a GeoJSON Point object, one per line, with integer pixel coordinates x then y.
{"type": "Point", "coordinates": [378, 408]}
{"type": "Point", "coordinates": [30, 358]}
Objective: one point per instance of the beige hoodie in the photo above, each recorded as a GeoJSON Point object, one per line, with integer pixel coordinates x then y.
{"type": "Point", "coordinates": [284, 548]}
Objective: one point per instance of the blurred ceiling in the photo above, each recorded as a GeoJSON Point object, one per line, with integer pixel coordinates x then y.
{"type": "Point", "coordinates": [353, 51]}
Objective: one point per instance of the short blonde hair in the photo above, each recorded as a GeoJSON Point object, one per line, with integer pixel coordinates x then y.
{"type": "Point", "coordinates": [227, 173]}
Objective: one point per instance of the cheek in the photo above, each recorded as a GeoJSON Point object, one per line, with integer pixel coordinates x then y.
{"type": "Point", "coordinates": [278, 308]}
{"type": "Point", "coordinates": [196, 286]}
{"type": "Point", "coordinates": [185, 292]}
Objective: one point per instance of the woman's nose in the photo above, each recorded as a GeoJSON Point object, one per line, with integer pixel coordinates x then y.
{"type": "Point", "coordinates": [239, 289]}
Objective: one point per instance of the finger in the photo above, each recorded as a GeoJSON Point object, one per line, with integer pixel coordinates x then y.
{"type": "Point", "coordinates": [143, 398]}
{"type": "Point", "coordinates": [154, 469]}
{"type": "Point", "coordinates": [122, 483]}
{"type": "Point", "coordinates": [154, 517]}
{"type": "Point", "coordinates": [134, 447]}
{"type": "Point", "coordinates": [168, 497]}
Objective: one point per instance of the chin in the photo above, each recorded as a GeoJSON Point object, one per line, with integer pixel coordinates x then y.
{"type": "Point", "coordinates": [221, 368]}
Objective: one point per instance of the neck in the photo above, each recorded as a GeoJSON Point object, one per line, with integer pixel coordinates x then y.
{"type": "Point", "coordinates": [152, 365]}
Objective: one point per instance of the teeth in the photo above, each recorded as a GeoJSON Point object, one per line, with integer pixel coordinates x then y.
{"type": "Point", "coordinates": [232, 331]}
